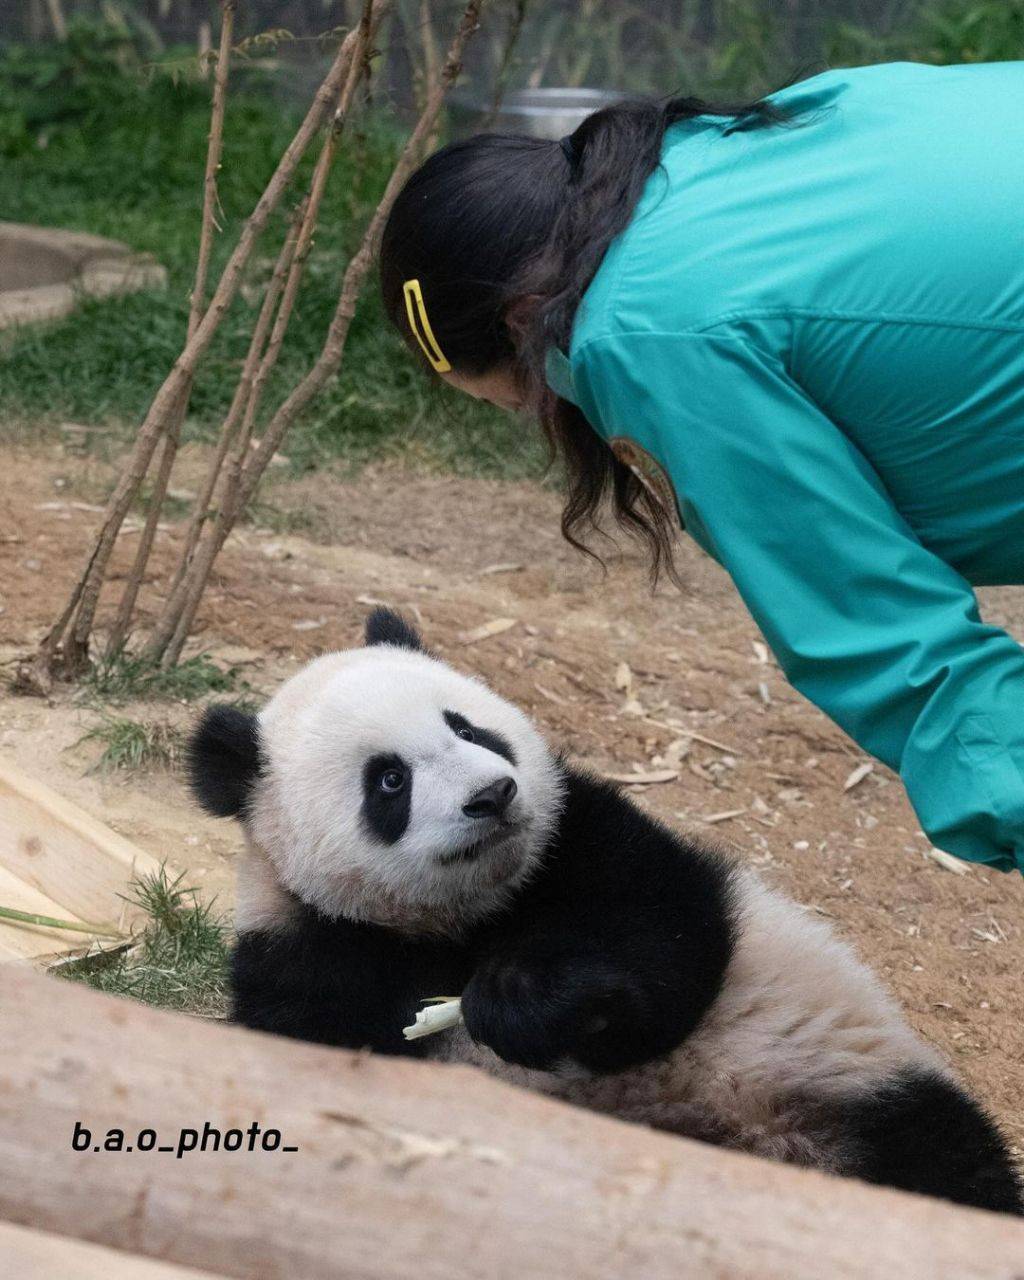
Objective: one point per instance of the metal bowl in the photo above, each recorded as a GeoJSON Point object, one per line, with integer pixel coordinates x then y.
{"type": "Point", "coordinates": [541, 113]}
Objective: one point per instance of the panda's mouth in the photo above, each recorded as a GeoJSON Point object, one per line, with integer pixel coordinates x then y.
{"type": "Point", "coordinates": [498, 835]}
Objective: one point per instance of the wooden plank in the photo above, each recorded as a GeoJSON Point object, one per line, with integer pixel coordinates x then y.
{"type": "Point", "coordinates": [37, 1255]}
{"type": "Point", "coordinates": [412, 1171]}
{"type": "Point", "coordinates": [65, 856]}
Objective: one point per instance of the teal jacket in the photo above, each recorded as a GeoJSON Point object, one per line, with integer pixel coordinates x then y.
{"type": "Point", "coordinates": [817, 331]}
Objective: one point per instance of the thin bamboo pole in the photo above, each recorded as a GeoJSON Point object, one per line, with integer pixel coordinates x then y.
{"type": "Point", "coordinates": [229, 431]}
{"type": "Point", "coordinates": [246, 405]}
{"type": "Point", "coordinates": [72, 629]}
{"type": "Point", "coordinates": [182, 607]}
{"type": "Point", "coordinates": [57, 19]}
{"type": "Point", "coordinates": [13, 916]}
{"type": "Point", "coordinates": [197, 305]}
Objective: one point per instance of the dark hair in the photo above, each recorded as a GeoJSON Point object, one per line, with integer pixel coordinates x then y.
{"type": "Point", "coordinates": [505, 233]}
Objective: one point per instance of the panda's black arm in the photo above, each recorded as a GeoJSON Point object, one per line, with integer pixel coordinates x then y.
{"type": "Point", "coordinates": [338, 983]}
{"type": "Point", "coordinates": [614, 952]}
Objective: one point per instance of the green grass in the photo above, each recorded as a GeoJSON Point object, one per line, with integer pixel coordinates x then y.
{"type": "Point", "coordinates": [135, 173]}
{"type": "Point", "coordinates": [127, 678]}
{"type": "Point", "coordinates": [133, 745]}
{"type": "Point", "coordinates": [179, 961]}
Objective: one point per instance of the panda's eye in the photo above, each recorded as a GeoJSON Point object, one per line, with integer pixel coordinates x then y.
{"type": "Point", "coordinates": [392, 780]}
{"type": "Point", "coordinates": [466, 733]}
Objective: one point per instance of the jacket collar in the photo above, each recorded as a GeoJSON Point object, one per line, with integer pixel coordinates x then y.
{"type": "Point", "coordinates": [558, 371]}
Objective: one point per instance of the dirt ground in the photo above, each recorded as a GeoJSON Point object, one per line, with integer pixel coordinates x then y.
{"type": "Point", "coordinates": [614, 674]}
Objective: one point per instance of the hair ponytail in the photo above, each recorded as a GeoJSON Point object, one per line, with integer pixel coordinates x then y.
{"type": "Point", "coordinates": [505, 233]}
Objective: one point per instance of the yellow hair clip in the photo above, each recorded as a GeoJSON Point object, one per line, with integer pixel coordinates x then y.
{"type": "Point", "coordinates": [420, 326]}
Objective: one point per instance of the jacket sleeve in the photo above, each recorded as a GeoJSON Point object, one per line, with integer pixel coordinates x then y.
{"type": "Point", "coordinates": [880, 633]}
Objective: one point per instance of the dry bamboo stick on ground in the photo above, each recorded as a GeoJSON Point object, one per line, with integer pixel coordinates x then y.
{"type": "Point", "coordinates": [410, 1171]}
{"type": "Point", "coordinates": [13, 916]}
{"type": "Point", "coordinates": [197, 305]}
{"type": "Point", "coordinates": [73, 628]}
{"type": "Point", "coordinates": [183, 605]}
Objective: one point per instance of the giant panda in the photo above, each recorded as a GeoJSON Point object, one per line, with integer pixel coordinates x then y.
{"type": "Point", "coordinates": [410, 834]}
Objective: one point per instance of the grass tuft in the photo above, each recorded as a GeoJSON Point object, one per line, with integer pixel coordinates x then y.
{"type": "Point", "coordinates": [127, 678]}
{"type": "Point", "coordinates": [132, 745]}
{"type": "Point", "coordinates": [179, 961]}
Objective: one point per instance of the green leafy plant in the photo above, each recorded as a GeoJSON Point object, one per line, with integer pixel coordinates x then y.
{"type": "Point", "coordinates": [132, 745]}
{"type": "Point", "coordinates": [179, 961]}
{"type": "Point", "coordinates": [92, 77]}
{"type": "Point", "coordinates": [974, 31]}
{"type": "Point", "coordinates": [126, 678]}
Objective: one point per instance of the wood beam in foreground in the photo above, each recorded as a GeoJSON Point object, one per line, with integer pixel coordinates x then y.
{"type": "Point", "coordinates": [410, 1171]}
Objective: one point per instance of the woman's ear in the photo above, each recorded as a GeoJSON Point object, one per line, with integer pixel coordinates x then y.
{"type": "Point", "coordinates": [224, 760]}
{"type": "Point", "coordinates": [519, 315]}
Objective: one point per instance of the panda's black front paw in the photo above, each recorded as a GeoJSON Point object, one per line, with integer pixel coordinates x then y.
{"type": "Point", "coordinates": [536, 1011]}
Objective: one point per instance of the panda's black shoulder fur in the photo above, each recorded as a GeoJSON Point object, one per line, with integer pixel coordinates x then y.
{"type": "Point", "coordinates": [625, 916]}
{"type": "Point", "coordinates": [342, 983]}
{"type": "Point", "coordinates": [612, 882]}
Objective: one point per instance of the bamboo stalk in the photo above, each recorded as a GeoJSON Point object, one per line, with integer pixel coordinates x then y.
{"type": "Point", "coordinates": [186, 601]}
{"type": "Point", "coordinates": [246, 403]}
{"type": "Point", "coordinates": [51, 922]}
{"type": "Point", "coordinates": [74, 625]}
{"type": "Point", "coordinates": [515, 30]}
{"type": "Point", "coordinates": [57, 19]}
{"type": "Point", "coordinates": [197, 305]}
{"type": "Point", "coordinates": [318, 186]}
{"type": "Point", "coordinates": [201, 508]}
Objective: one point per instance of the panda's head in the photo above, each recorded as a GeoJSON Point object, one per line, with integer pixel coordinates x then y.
{"type": "Point", "coordinates": [384, 786]}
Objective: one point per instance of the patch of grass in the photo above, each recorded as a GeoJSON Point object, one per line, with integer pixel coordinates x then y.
{"type": "Point", "coordinates": [135, 173]}
{"type": "Point", "coordinates": [179, 961]}
{"type": "Point", "coordinates": [132, 745]}
{"type": "Point", "coordinates": [127, 678]}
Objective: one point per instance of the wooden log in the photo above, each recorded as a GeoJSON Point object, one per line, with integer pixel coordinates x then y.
{"type": "Point", "coordinates": [411, 1171]}
{"type": "Point", "coordinates": [37, 1255]}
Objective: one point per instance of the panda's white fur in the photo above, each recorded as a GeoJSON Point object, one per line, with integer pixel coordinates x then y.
{"type": "Point", "coordinates": [795, 1052]}
{"type": "Point", "coordinates": [305, 815]}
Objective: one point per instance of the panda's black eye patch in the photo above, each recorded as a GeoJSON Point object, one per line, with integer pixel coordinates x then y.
{"type": "Point", "coordinates": [387, 796]}
{"type": "Point", "coordinates": [487, 738]}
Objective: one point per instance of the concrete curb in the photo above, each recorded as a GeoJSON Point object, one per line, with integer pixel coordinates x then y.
{"type": "Point", "coordinates": [44, 271]}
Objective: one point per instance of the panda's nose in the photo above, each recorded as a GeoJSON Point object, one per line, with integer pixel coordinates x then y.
{"type": "Point", "coordinates": [491, 801]}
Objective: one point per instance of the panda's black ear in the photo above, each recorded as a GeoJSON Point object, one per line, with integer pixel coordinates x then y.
{"type": "Point", "coordinates": [385, 626]}
{"type": "Point", "coordinates": [224, 760]}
